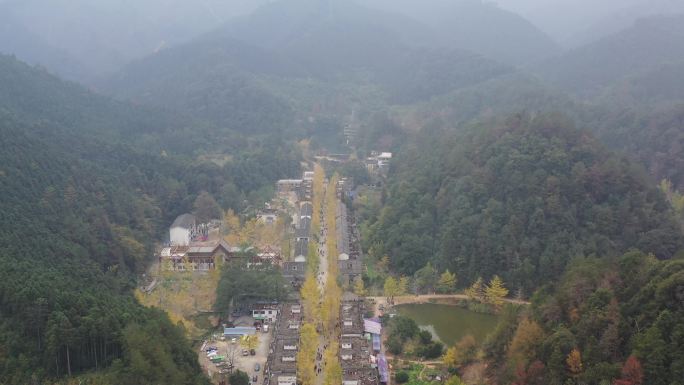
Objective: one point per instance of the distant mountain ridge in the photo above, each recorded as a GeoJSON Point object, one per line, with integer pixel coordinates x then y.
{"type": "Point", "coordinates": [476, 26]}
{"type": "Point", "coordinates": [101, 36]}
{"type": "Point", "coordinates": [302, 42]}
{"type": "Point", "coordinates": [645, 46]}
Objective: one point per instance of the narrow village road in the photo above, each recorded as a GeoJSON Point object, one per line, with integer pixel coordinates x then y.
{"type": "Point", "coordinates": [322, 280]}
{"type": "Point", "coordinates": [322, 255]}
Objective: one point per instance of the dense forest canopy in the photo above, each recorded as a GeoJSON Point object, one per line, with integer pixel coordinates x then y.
{"type": "Point", "coordinates": [518, 198]}
{"type": "Point", "coordinates": [622, 317]}
{"type": "Point", "coordinates": [73, 235]}
{"type": "Point", "coordinates": [83, 204]}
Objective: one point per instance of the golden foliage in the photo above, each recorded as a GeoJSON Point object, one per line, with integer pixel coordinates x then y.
{"type": "Point", "coordinates": [574, 362]}
{"type": "Point", "coordinates": [310, 297]}
{"type": "Point", "coordinates": [496, 291]}
{"type": "Point", "coordinates": [527, 339]}
{"type": "Point", "coordinates": [333, 369]}
{"type": "Point", "coordinates": [359, 287]}
{"type": "Point", "coordinates": [182, 295]}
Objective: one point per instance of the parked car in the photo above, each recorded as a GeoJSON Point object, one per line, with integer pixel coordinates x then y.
{"type": "Point", "coordinates": [255, 378]}
{"type": "Point", "coordinates": [210, 348]}
{"type": "Point", "coordinates": [252, 352]}
{"type": "Point", "coordinates": [245, 352]}
{"type": "Point", "coordinates": [265, 329]}
{"type": "Point", "coordinates": [233, 340]}
{"type": "Point", "coordinates": [257, 367]}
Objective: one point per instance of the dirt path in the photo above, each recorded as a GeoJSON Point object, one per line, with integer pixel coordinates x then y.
{"type": "Point", "coordinates": [428, 298]}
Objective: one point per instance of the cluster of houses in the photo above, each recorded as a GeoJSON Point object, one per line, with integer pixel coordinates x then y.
{"type": "Point", "coordinates": [294, 271]}
{"type": "Point", "coordinates": [360, 347]}
{"type": "Point", "coordinates": [350, 257]}
{"type": "Point", "coordinates": [281, 365]}
{"type": "Point", "coordinates": [360, 344]}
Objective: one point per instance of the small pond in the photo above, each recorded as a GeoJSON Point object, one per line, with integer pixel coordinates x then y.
{"type": "Point", "coordinates": [449, 323]}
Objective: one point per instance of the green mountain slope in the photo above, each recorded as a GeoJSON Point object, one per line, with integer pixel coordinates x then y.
{"type": "Point", "coordinates": [622, 315]}
{"type": "Point", "coordinates": [653, 136]}
{"type": "Point", "coordinates": [78, 224]}
{"type": "Point", "coordinates": [661, 86]}
{"type": "Point", "coordinates": [84, 196]}
{"type": "Point", "coordinates": [519, 198]}
{"type": "Point", "coordinates": [277, 67]}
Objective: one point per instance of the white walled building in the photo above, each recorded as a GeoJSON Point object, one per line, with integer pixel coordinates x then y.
{"type": "Point", "coordinates": [179, 233]}
{"type": "Point", "coordinates": [265, 312]}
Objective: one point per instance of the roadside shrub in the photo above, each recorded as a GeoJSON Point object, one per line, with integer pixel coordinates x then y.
{"type": "Point", "coordinates": [401, 377]}
{"type": "Point", "coordinates": [430, 351]}
{"type": "Point", "coordinates": [394, 345]}
{"type": "Point", "coordinates": [425, 337]}
{"type": "Point", "coordinates": [239, 378]}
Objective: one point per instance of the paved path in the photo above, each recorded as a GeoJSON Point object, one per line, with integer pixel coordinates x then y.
{"type": "Point", "coordinates": [322, 280]}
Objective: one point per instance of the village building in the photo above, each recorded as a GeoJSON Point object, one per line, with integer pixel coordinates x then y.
{"type": "Point", "coordinates": [306, 210]}
{"type": "Point", "coordinates": [239, 332]}
{"type": "Point", "coordinates": [378, 162]}
{"type": "Point", "coordinates": [196, 257]}
{"type": "Point", "coordinates": [265, 312]}
{"type": "Point", "coordinates": [267, 216]}
{"type": "Point", "coordinates": [179, 232]}
{"type": "Point", "coordinates": [295, 272]}
{"type": "Point", "coordinates": [288, 185]}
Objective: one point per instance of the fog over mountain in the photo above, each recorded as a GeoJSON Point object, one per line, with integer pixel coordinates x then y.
{"type": "Point", "coordinates": [575, 22]}
{"type": "Point", "coordinates": [104, 35]}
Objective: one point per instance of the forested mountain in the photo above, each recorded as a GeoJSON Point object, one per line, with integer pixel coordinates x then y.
{"type": "Point", "coordinates": [518, 198]}
{"type": "Point", "coordinates": [649, 44]}
{"type": "Point", "coordinates": [657, 87]}
{"type": "Point", "coordinates": [654, 137]}
{"type": "Point", "coordinates": [509, 93]}
{"type": "Point", "coordinates": [619, 318]}
{"type": "Point", "coordinates": [84, 198]}
{"type": "Point", "coordinates": [210, 81]}
{"type": "Point", "coordinates": [268, 72]}
{"type": "Point", "coordinates": [73, 232]}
